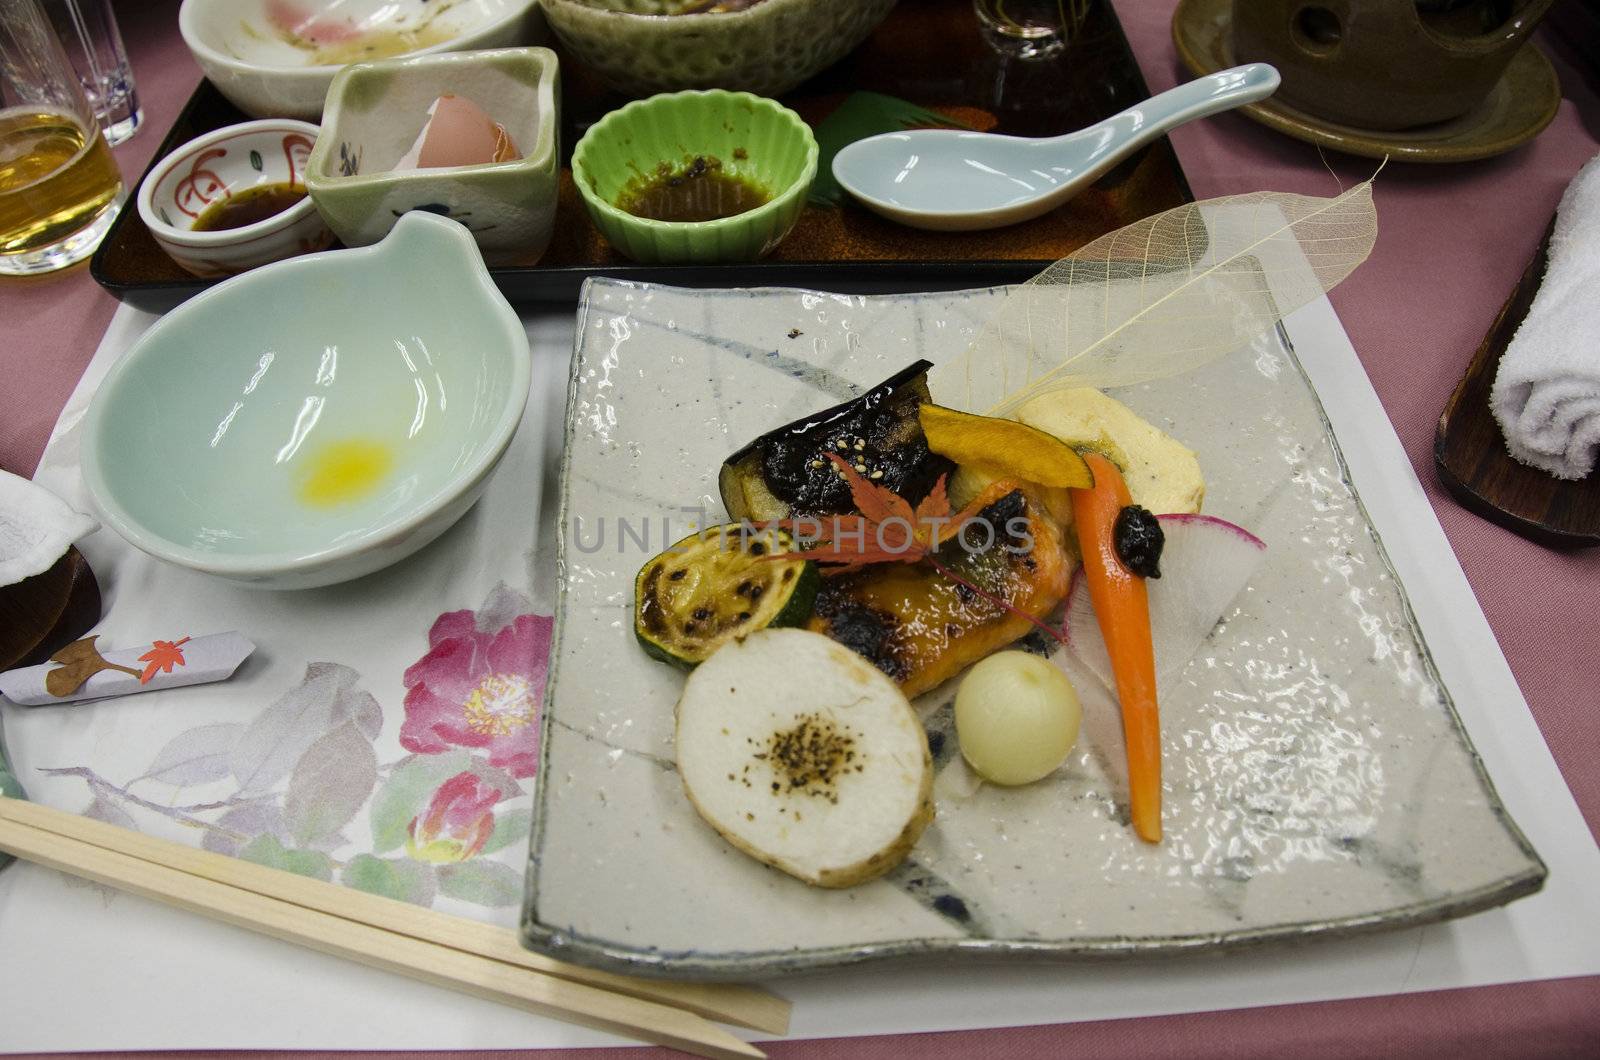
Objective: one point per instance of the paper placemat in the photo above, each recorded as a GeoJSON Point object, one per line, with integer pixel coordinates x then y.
{"type": "Point", "coordinates": [163, 979]}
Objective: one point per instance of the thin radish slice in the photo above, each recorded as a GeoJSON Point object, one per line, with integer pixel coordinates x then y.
{"type": "Point", "coordinates": [1205, 563]}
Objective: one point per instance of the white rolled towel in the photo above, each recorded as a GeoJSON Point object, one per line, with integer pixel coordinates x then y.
{"type": "Point", "coordinates": [1546, 395]}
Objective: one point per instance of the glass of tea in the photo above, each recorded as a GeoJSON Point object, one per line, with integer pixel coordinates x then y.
{"type": "Point", "coordinates": [59, 186]}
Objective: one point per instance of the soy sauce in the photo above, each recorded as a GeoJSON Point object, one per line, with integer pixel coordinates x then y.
{"type": "Point", "coordinates": [249, 206]}
{"type": "Point", "coordinates": [700, 191]}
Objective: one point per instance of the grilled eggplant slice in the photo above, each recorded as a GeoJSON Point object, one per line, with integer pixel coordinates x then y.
{"type": "Point", "coordinates": [920, 627]}
{"type": "Point", "coordinates": [786, 472]}
{"type": "Point", "coordinates": [711, 588]}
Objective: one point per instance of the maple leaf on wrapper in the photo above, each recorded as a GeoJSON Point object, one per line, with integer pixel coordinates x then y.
{"type": "Point", "coordinates": [162, 657]}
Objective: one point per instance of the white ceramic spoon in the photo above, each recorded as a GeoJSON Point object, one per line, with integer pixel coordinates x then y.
{"type": "Point", "coordinates": [953, 180]}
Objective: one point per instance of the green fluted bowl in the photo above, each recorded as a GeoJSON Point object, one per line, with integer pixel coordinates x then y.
{"type": "Point", "coordinates": [754, 138]}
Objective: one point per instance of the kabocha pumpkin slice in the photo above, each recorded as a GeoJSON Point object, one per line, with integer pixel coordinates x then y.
{"type": "Point", "coordinates": [786, 472]}
{"type": "Point", "coordinates": [711, 588]}
{"type": "Point", "coordinates": [804, 756]}
{"type": "Point", "coordinates": [1014, 450]}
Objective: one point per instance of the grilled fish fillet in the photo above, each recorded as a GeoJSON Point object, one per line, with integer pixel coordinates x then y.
{"type": "Point", "coordinates": [920, 627]}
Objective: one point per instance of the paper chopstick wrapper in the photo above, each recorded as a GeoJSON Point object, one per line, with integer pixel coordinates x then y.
{"type": "Point", "coordinates": [147, 667]}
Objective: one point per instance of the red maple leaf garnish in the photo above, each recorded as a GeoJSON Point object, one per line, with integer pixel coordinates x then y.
{"type": "Point", "coordinates": [163, 656]}
{"type": "Point", "coordinates": [888, 530]}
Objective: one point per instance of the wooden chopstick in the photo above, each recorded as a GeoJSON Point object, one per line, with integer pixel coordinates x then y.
{"type": "Point", "coordinates": [429, 962]}
{"type": "Point", "coordinates": [743, 1006]}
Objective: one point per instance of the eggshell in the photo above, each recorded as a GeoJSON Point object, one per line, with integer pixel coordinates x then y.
{"type": "Point", "coordinates": [458, 133]}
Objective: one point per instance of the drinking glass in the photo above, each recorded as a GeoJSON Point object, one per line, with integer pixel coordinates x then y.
{"type": "Point", "coordinates": [93, 43]}
{"type": "Point", "coordinates": [1030, 29]}
{"type": "Point", "coordinates": [59, 186]}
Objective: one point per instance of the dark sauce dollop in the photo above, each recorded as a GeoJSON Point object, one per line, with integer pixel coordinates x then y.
{"type": "Point", "coordinates": [247, 206]}
{"type": "Point", "coordinates": [1137, 537]}
{"type": "Point", "coordinates": [699, 191]}
{"type": "Point", "coordinates": [878, 435]}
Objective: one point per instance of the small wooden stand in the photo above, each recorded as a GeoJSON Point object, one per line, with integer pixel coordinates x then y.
{"type": "Point", "coordinates": [44, 613]}
{"type": "Point", "coordinates": [1470, 454]}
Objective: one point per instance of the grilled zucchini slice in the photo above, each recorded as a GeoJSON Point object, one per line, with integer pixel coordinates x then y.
{"type": "Point", "coordinates": [712, 588]}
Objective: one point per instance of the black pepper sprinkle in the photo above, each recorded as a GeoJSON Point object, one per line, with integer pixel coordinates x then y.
{"type": "Point", "coordinates": [810, 757]}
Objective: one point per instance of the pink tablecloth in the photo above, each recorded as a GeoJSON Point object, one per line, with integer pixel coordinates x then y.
{"type": "Point", "coordinates": [1452, 242]}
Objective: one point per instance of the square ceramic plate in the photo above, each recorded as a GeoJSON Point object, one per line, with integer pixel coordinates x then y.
{"type": "Point", "coordinates": [1318, 781]}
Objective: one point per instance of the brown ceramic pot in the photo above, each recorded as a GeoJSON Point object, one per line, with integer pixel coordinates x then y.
{"type": "Point", "coordinates": [1384, 64]}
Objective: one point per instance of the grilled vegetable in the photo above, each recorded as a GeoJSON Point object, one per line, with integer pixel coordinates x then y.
{"type": "Point", "coordinates": [919, 626]}
{"type": "Point", "coordinates": [786, 472]}
{"type": "Point", "coordinates": [719, 586]}
{"type": "Point", "coordinates": [1122, 606]}
{"type": "Point", "coordinates": [802, 755]}
{"type": "Point", "coordinates": [1011, 449]}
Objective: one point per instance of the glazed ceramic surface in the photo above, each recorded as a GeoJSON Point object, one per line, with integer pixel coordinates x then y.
{"type": "Point", "coordinates": [221, 164]}
{"type": "Point", "coordinates": [639, 47]}
{"type": "Point", "coordinates": [954, 180]}
{"type": "Point", "coordinates": [1384, 64]}
{"type": "Point", "coordinates": [375, 112]}
{"type": "Point", "coordinates": [1317, 780]}
{"type": "Point", "coordinates": [1517, 108]}
{"type": "Point", "coordinates": [273, 59]}
{"type": "Point", "coordinates": [314, 420]}
{"type": "Point", "coordinates": [754, 138]}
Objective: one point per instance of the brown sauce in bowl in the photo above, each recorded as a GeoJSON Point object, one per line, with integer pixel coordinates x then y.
{"type": "Point", "coordinates": [700, 191]}
{"type": "Point", "coordinates": [248, 206]}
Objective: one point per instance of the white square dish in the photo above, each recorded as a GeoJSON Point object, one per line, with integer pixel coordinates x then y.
{"type": "Point", "coordinates": [1318, 780]}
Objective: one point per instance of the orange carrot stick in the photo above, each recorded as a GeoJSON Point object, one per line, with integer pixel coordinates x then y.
{"type": "Point", "coordinates": [1122, 608]}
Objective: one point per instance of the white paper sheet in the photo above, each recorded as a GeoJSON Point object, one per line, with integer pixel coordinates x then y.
{"type": "Point", "coordinates": [90, 971]}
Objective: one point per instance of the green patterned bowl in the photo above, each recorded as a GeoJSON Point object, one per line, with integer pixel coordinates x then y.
{"type": "Point", "coordinates": [373, 113]}
{"type": "Point", "coordinates": [756, 139]}
{"type": "Point", "coordinates": [644, 46]}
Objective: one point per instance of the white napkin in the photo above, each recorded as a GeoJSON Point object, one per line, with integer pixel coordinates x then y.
{"type": "Point", "coordinates": [36, 528]}
{"type": "Point", "coordinates": [1547, 393]}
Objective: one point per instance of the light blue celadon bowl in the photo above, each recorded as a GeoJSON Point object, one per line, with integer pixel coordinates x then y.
{"type": "Point", "coordinates": [315, 419]}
